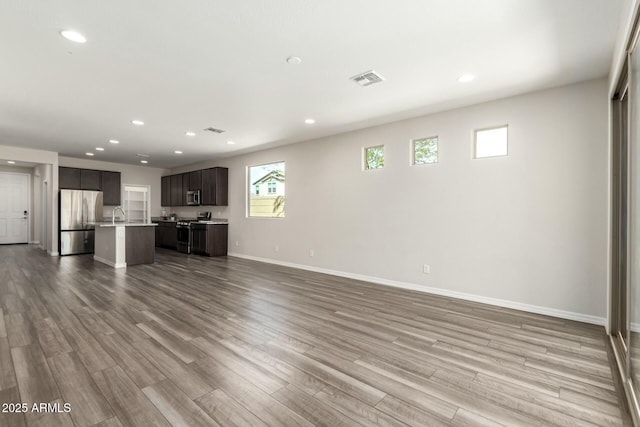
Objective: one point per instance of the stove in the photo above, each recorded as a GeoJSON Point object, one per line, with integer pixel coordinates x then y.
{"type": "Point", "coordinates": [183, 227]}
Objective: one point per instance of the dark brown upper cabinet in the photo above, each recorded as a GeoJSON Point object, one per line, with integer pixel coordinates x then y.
{"type": "Point", "coordinates": [69, 178]}
{"type": "Point", "coordinates": [185, 188]}
{"type": "Point", "coordinates": [165, 198]}
{"type": "Point", "coordinates": [111, 188]}
{"type": "Point", "coordinates": [176, 190]}
{"type": "Point", "coordinates": [215, 187]}
{"type": "Point", "coordinates": [195, 180]}
{"type": "Point", "coordinates": [90, 180]}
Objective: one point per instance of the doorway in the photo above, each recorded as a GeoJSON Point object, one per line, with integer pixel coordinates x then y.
{"type": "Point", "coordinates": [15, 197]}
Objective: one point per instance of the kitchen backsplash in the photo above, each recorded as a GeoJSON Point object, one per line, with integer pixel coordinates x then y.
{"type": "Point", "coordinates": [192, 211]}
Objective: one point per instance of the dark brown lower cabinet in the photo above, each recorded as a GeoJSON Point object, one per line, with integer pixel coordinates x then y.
{"type": "Point", "coordinates": [167, 235]}
{"type": "Point", "coordinates": [139, 243]}
{"type": "Point", "coordinates": [209, 239]}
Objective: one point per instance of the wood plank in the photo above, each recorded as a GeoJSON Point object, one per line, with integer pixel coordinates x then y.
{"type": "Point", "coordinates": [128, 402]}
{"type": "Point", "coordinates": [51, 339]}
{"type": "Point", "coordinates": [11, 419]}
{"type": "Point", "coordinates": [78, 389]}
{"type": "Point", "coordinates": [7, 373]}
{"type": "Point", "coordinates": [226, 411]}
{"type": "Point", "coordinates": [176, 406]}
{"type": "Point", "coordinates": [35, 382]}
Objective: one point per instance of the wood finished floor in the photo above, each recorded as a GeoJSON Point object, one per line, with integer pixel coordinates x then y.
{"type": "Point", "coordinates": [199, 341]}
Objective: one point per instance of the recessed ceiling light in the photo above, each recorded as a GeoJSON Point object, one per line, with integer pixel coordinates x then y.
{"type": "Point", "coordinates": [310, 121]}
{"type": "Point", "coordinates": [137, 122]}
{"type": "Point", "coordinates": [144, 162]}
{"type": "Point", "coordinates": [178, 152]}
{"type": "Point", "coordinates": [293, 60]}
{"type": "Point", "coordinates": [11, 162]}
{"type": "Point", "coordinates": [114, 141]}
{"type": "Point", "coordinates": [99, 149]}
{"type": "Point", "coordinates": [74, 36]}
{"type": "Point", "coordinates": [89, 154]}
{"type": "Point", "coordinates": [189, 133]}
{"type": "Point", "coordinates": [230, 142]}
{"type": "Point", "coordinates": [466, 78]}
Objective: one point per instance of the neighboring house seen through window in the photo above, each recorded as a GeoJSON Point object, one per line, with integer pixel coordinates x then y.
{"type": "Point", "coordinates": [266, 190]}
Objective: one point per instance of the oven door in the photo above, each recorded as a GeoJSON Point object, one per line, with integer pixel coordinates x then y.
{"type": "Point", "coordinates": [184, 239]}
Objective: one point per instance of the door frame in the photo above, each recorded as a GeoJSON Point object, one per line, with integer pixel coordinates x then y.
{"type": "Point", "coordinates": [29, 207]}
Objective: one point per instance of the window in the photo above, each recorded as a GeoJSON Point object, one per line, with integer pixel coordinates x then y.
{"type": "Point", "coordinates": [374, 157]}
{"type": "Point", "coordinates": [137, 203]}
{"type": "Point", "coordinates": [490, 142]}
{"type": "Point", "coordinates": [425, 150]}
{"type": "Point", "coordinates": [266, 190]}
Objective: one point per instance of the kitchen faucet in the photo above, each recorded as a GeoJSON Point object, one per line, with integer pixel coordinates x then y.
{"type": "Point", "coordinates": [124, 215]}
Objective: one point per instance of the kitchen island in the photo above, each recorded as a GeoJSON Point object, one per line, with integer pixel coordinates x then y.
{"type": "Point", "coordinates": [124, 243]}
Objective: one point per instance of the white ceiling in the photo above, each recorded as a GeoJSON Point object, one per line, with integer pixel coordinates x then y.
{"type": "Point", "coordinates": [189, 65]}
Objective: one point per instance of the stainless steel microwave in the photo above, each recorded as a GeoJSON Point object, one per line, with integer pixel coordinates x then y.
{"type": "Point", "coordinates": [193, 198]}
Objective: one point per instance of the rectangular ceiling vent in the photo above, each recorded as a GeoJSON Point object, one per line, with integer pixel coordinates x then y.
{"type": "Point", "coordinates": [368, 78]}
{"type": "Point", "coordinates": [214, 130]}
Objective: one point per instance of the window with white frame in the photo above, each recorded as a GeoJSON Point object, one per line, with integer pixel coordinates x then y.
{"type": "Point", "coordinates": [266, 190]}
{"type": "Point", "coordinates": [374, 157]}
{"type": "Point", "coordinates": [424, 150]}
{"type": "Point", "coordinates": [491, 142]}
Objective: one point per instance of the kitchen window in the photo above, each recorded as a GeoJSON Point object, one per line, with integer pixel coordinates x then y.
{"type": "Point", "coordinates": [266, 190]}
{"type": "Point", "coordinates": [424, 150]}
{"type": "Point", "coordinates": [374, 157]}
{"type": "Point", "coordinates": [491, 142]}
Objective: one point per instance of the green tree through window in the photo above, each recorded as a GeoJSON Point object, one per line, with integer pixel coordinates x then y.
{"type": "Point", "coordinates": [425, 150]}
{"type": "Point", "coordinates": [374, 157]}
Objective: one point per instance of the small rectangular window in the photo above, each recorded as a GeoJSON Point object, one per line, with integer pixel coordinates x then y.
{"type": "Point", "coordinates": [490, 142]}
{"type": "Point", "coordinates": [374, 157]}
{"type": "Point", "coordinates": [425, 150]}
{"type": "Point", "coordinates": [266, 190]}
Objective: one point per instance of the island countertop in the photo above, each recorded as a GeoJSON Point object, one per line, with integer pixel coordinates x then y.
{"type": "Point", "coordinates": [124, 224]}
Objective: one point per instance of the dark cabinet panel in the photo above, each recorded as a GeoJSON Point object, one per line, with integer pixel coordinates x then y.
{"type": "Point", "coordinates": [167, 235]}
{"type": "Point", "coordinates": [185, 188]}
{"type": "Point", "coordinates": [199, 240]}
{"type": "Point", "coordinates": [195, 180]}
{"type": "Point", "coordinates": [166, 191]}
{"type": "Point", "coordinates": [139, 243]}
{"type": "Point", "coordinates": [209, 239]}
{"type": "Point", "coordinates": [90, 180]}
{"type": "Point", "coordinates": [111, 188]}
{"type": "Point", "coordinates": [176, 190]}
{"type": "Point", "coordinates": [215, 183]}
{"type": "Point", "coordinates": [69, 178]}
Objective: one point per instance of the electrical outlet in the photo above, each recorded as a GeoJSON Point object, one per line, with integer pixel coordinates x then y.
{"type": "Point", "coordinates": [426, 269]}
{"type": "Point", "coordinates": [312, 253]}
{"type": "Point", "coordinates": [276, 248]}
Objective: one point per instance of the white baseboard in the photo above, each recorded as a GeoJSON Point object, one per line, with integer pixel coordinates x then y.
{"type": "Point", "coordinates": [109, 263]}
{"type": "Point", "coordinates": [53, 253]}
{"type": "Point", "coordinates": [34, 242]}
{"type": "Point", "coordinates": [569, 315]}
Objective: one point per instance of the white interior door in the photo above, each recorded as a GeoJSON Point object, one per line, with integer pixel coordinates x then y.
{"type": "Point", "coordinates": [14, 208]}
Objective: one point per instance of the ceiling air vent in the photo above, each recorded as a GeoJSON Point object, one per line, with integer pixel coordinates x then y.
{"type": "Point", "coordinates": [214, 130]}
{"type": "Point", "coordinates": [368, 78]}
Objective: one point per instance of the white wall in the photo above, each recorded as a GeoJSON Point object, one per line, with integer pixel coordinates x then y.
{"type": "Point", "coordinates": [49, 175]}
{"type": "Point", "coordinates": [528, 229]}
{"type": "Point", "coordinates": [130, 174]}
{"type": "Point", "coordinates": [32, 215]}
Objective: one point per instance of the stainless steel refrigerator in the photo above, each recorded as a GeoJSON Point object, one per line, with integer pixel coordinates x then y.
{"type": "Point", "coordinates": [79, 211]}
